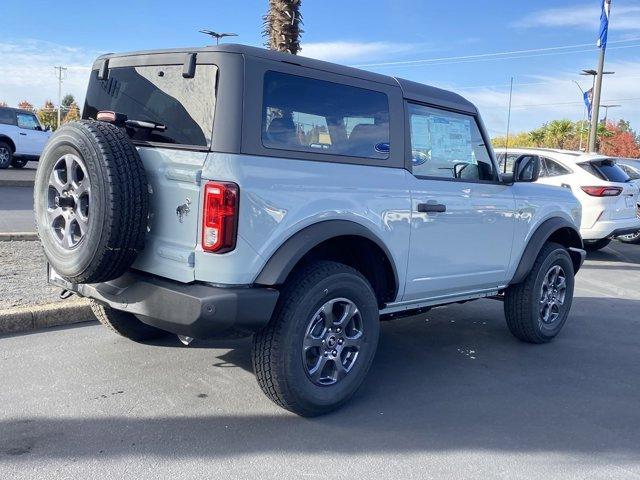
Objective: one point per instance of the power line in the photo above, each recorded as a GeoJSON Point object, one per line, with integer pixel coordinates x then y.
{"type": "Point", "coordinates": [499, 55]}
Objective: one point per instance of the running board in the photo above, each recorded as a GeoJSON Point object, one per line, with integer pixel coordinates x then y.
{"type": "Point", "coordinates": [405, 307]}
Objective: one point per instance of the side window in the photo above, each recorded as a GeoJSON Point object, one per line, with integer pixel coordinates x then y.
{"type": "Point", "coordinates": [553, 169]}
{"type": "Point", "coordinates": [632, 172]}
{"type": "Point", "coordinates": [511, 158]}
{"type": "Point", "coordinates": [309, 115]}
{"type": "Point", "coordinates": [27, 121]}
{"type": "Point", "coordinates": [447, 145]}
{"type": "Point", "coordinates": [7, 117]}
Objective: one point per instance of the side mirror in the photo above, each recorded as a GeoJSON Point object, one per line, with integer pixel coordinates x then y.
{"type": "Point", "coordinates": [526, 168]}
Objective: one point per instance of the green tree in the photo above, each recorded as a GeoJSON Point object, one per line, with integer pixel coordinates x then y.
{"type": "Point", "coordinates": [48, 115]}
{"type": "Point", "coordinates": [282, 25]}
{"type": "Point", "coordinates": [72, 114]}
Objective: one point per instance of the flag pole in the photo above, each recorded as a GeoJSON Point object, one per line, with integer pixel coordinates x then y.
{"type": "Point", "coordinates": [593, 133]}
{"type": "Point", "coordinates": [602, 43]}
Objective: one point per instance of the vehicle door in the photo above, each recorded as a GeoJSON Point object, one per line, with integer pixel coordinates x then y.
{"type": "Point", "coordinates": [31, 137]}
{"type": "Point", "coordinates": [462, 216]}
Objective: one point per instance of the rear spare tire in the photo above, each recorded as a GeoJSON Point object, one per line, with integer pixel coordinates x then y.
{"type": "Point", "coordinates": [91, 202]}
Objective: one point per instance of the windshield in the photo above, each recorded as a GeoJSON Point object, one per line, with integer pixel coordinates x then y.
{"type": "Point", "coordinates": [158, 94]}
{"type": "Point", "coordinates": [606, 169]}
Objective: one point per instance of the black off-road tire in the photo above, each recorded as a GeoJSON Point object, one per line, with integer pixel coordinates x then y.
{"type": "Point", "coordinates": [277, 349]}
{"type": "Point", "coordinates": [19, 162]}
{"type": "Point", "coordinates": [595, 245]}
{"type": "Point", "coordinates": [522, 301]}
{"type": "Point", "coordinates": [7, 151]}
{"type": "Point", "coordinates": [125, 324]}
{"type": "Point", "coordinates": [118, 206]}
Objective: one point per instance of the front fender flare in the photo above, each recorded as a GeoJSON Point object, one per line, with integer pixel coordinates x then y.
{"type": "Point", "coordinates": [538, 239]}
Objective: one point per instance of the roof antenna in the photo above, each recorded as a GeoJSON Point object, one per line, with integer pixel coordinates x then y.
{"type": "Point", "coordinates": [506, 147]}
{"type": "Point", "coordinates": [217, 35]}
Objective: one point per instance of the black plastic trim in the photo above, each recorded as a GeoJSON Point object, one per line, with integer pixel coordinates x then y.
{"type": "Point", "coordinates": [538, 239]}
{"type": "Point", "coordinates": [283, 261]}
{"type": "Point", "coordinates": [196, 310]}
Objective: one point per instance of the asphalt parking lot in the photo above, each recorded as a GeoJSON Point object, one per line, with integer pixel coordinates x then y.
{"type": "Point", "coordinates": [451, 395]}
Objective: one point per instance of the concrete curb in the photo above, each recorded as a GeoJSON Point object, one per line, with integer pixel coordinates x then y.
{"type": "Point", "coordinates": [65, 312]}
{"type": "Point", "coordinates": [16, 183]}
{"type": "Point", "coordinates": [18, 236]}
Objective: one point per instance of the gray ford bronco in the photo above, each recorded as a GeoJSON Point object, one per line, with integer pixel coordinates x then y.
{"type": "Point", "coordinates": [233, 190]}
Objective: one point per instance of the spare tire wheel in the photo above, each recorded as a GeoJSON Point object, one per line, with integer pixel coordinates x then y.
{"type": "Point", "coordinates": [91, 202]}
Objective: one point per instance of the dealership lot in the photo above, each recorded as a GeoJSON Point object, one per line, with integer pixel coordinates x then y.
{"type": "Point", "coordinates": [451, 393]}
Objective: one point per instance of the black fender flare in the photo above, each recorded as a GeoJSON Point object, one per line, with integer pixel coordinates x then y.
{"type": "Point", "coordinates": [542, 234]}
{"type": "Point", "coordinates": [7, 139]}
{"type": "Point", "coordinates": [285, 258]}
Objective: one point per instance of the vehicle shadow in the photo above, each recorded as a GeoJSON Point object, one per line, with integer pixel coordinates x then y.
{"type": "Point", "coordinates": [451, 380]}
{"type": "Point", "coordinates": [617, 251]}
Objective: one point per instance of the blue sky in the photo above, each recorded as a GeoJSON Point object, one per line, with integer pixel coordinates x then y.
{"type": "Point", "coordinates": [415, 39]}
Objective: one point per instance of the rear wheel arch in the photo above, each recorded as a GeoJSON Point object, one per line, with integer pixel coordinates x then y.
{"type": "Point", "coordinates": [7, 140]}
{"type": "Point", "coordinates": [555, 229]}
{"type": "Point", "coordinates": [342, 241]}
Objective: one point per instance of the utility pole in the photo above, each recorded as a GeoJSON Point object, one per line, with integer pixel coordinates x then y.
{"type": "Point", "coordinates": [60, 71]}
{"type": "Point", "coordinates": [602, 44]}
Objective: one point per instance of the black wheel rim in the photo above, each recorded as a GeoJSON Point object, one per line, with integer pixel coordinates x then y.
{"type": "Point", "coordinates": [332, 342]}
{"type": "Point", "coordinates": [67, 201]}
{"type": "Point", "coordinates": [553, 292]}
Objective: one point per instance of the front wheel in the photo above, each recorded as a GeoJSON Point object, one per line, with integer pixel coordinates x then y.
{"type": "Point", "coordinates": [537, 308]}
{"type": "Point", "coordinates": [318, 347]}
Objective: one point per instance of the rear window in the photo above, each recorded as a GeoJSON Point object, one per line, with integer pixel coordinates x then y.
{"type": "Point", "coordinates": [161, 95]}
{"type": "Point", "coordinates": [309, 115]}
{"type": "Point", "coordinates": [7, 117]}
{"type": "Point", "coordinates": [606, 170]}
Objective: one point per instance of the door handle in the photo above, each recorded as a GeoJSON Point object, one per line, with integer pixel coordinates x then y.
{"type": "Point", "coordinates": [432, 207]}
{"type": "Point", "coordinates": [23, 134]}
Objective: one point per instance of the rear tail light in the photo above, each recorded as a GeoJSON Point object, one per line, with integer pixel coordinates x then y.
{"type": "Point", "coordinates": [602, 191]}
{"type": "Point", "coordinates": [220, 217]}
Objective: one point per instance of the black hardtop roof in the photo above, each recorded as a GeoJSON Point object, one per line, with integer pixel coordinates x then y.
{"type": "Point", "coordinates": [411, 90]}
{"type": "Point", "coordinates": [21, 110]}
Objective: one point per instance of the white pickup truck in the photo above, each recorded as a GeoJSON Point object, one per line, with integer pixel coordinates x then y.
{"type": "Point", "coordinates": [22, 138]}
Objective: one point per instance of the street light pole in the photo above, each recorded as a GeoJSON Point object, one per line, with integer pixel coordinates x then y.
{"type": "Point", "coordinates": [606, 111]}
{"type": "Point", "coordinates": [584, 115]}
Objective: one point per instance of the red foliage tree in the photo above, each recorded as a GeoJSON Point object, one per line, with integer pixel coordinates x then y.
{"type": "Point", "coordinates": [619, 143]}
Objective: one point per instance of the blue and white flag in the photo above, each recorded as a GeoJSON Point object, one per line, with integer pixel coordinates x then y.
{"type": "Point", "coordinates": [588, 101]}
{"type": "Point", "coordinates": [604, 24]}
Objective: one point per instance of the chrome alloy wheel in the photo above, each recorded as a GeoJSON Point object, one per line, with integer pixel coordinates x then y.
{"type": "Point", "coordinates": [332, 341]}
{"type": "Point", "coordinates": [5, 154]}
{"type": "Point", "coordinates": [68, 201]}
{"type": "Point", "coordinates": [552, 294]}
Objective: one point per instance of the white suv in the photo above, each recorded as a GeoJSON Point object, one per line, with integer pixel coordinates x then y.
{"type": "Point", "coordinates": [607, 194]}
{"type": "Point", "coordinates": [22, 137]}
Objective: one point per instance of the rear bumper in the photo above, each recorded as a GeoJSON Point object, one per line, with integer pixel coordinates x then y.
{"type": "Point", "coordinates": [195, 310]}
{"type": "Point", "coordinates": [612, 228]}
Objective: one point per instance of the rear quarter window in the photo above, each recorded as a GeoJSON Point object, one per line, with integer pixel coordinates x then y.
{"type": "Point", "coordinates": [7, 117]}
{"type": "Point", "coordinates": [310, 115]}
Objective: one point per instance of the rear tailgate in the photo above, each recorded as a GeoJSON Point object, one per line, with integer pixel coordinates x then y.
{"type": "Point", "coordinates": [174, 200]}
{"type": "Point", "coordinates": [174, 110]}
{"type": "Point", "coordinates": [617, 207]}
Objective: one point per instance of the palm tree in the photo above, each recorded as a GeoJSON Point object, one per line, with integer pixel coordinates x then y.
{"type": "Point", "coordinates": [559, 131]}
{"type": "Point", "coordinates": [537, 136]}
{"type": "Point", "coordinates": [282, 25]}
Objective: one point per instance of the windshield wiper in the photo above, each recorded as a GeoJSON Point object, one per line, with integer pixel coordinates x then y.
{"type": "Point", "coordinates": [144, 124]}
